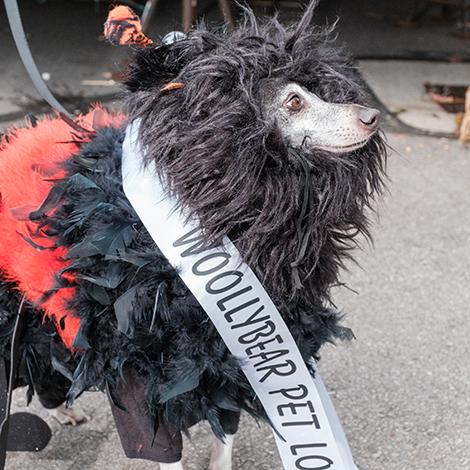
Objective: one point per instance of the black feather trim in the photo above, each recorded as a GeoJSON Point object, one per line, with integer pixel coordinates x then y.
{"type": "Point", "coordinates": [136, 312]}
{"type": "Point", "coordinates": [45, 364]}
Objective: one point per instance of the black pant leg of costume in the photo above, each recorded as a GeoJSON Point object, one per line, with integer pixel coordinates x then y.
{"type": "Point", "coordinates": [134, 428]}
{"type": "Point", "coordinates": [229, 421]}
{"type": "Point", "coordinates": [136, 433]}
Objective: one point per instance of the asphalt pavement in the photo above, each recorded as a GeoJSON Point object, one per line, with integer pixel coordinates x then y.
{"type": "Point", "coordinates": [401, 388]}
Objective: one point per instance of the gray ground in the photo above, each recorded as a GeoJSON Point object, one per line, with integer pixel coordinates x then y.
{"type": "Point", "coordinates": [400, 388]}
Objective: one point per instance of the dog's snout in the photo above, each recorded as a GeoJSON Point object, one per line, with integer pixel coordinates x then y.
{"type": "Point", "coordinates": [370, 117]}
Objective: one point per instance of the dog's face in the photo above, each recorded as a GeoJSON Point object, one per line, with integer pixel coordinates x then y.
{"type": "Point", "coordinates": [305, 120]}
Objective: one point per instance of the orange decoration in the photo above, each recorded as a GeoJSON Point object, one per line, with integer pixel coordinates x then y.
{"type": "Point", "coordinates": [172, 86]}
{"type": "Point", "coordinates": [123, 27]}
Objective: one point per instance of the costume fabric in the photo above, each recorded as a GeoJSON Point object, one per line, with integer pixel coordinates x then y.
{"type": "Point", "coordinates": [103, 299]}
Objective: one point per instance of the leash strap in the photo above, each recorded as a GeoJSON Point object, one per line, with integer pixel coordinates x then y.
{"type": "Point", "coordinates": [307, 430]}
{"type": "Point", "coordinates": [5, 412]}
{"type": "Point", "coordinates": [8, 384]}
{"type": "Point", "coordinates": [19, 36]}
{"type": "Point", "coordinates": [20, 431]}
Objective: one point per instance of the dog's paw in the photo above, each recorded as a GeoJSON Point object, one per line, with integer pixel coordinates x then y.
{"type": "Point", "coordinates": [68, 415]}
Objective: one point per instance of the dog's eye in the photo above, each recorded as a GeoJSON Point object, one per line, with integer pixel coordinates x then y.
{"type": "Point", "coordinates": [295, 103]}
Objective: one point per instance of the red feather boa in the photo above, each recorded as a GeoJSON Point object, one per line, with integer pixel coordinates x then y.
{"type": "Point", "coordinates": [27, 160]}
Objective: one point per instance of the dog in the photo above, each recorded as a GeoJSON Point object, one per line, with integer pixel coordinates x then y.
{"type": "Point", "coordinates": [262, 135]}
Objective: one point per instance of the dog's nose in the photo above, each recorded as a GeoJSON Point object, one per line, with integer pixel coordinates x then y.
{"type": "Point", "coordinates": [370, 117]}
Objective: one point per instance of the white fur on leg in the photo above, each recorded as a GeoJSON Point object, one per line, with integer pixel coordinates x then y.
{"type": "Point", "coordinates": [171, 466]}
{"type": "Point", "coordinates": [68, 415]}
{"type": "Point", "coordinates": [221, 458]}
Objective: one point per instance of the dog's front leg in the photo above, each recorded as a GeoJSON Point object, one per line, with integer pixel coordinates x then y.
{"type": "Point", "coordinates": [221, 457]}
{"type": "Point", "coordinates": [68, 415]}
{"type": "Point", "coordinates": [171, 466]}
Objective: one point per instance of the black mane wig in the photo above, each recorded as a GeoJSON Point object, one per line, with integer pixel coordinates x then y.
{"type": "Point", "coordinates": [230, 169]}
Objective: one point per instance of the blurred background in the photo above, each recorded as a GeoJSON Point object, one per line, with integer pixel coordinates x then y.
{"type": "Point", "coordinates": [415, 55]}
{"type": "Point", "coordinates": [401, 389]}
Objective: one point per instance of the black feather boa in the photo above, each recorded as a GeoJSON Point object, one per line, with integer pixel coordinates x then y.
{"type": "Point", "coordinates": [136, 312]}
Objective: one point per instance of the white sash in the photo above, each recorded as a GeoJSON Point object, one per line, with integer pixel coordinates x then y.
{"type": "Point", "coordinates": [308, 433]}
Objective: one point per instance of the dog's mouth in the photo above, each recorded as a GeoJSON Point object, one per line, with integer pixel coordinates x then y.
{"type": "Point", "coordinates": [345, 148]}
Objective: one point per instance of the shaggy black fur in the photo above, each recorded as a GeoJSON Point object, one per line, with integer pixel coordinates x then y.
{"type": "Point", "coordinates": [226, 164]}
{"type": "Point", "coordinates": [229, 169]}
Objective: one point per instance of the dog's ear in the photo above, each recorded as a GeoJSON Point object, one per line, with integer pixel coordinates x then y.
{"type": "Point", "coordinates": [155, 68]}
{"type": "Point", "coordinates": [152, 66]}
